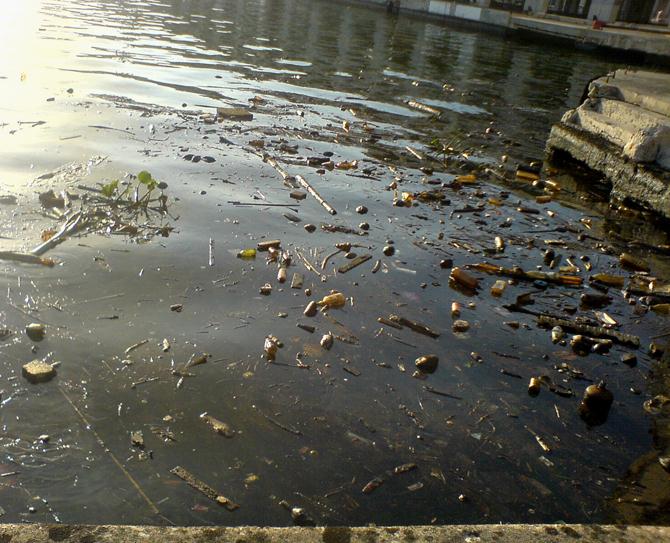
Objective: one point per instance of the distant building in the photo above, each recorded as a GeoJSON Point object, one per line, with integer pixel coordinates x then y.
{"type": "Point", "coordinates": [607, 11]}
{"type": "Point", "coordinates": [610, 11]}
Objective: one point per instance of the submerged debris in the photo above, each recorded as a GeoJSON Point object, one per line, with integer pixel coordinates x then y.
{"type": "Point", "coordinates": [204, 488]}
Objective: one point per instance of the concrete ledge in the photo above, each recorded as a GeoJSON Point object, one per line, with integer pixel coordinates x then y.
{"type": "Point", "coordinates": [509, 533]}
{"type": "Point", "coordinates": [648, 187]}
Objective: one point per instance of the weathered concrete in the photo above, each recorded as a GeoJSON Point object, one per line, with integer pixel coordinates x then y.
{"type": "Point", "coordinates": [622, 130]}
{"type": "Point", "coordinates": [510, 533]}
{"type": "Point", "coordinates": [653, 44]}
{"type": "Point", "coordinates": [646, 186]}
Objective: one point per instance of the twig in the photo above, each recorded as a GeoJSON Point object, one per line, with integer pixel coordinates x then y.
{"type": "Point", "coordinates": [288, 179]}
{"type": "Point", "coordinates": [303, 182]}
{"type": "Point", "coordinates": [262, 204]}
{"type": "Point", "coordinates": [68, 228]}
{"type": "Point", "coordinates": [132, 480]}
{"type": "Point", "coordinates": [204, 488]}
{"type": "Point", "coordinates": [432, 390]}
{"type": "Point", "coordinates": [309, 265]}
{"type": "Point", "coordinates": [354, 263]}
{"type": "Point", "coordinates": [324, 262]}
{"type": "Point", "coordinates": [135, 346]}
{"type": "Point", "coordinates": [100, 299]}
{"type": "Point", "coordinates": [288, 429]}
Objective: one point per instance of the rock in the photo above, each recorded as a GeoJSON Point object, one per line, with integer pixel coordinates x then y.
{"type": "Point", "coordinates": [298, 195]}
{"type": "Point", "coordinates": [389, 250]}
{"type": "Point", "coordinates": [630, 359]}
{"type": "Point", "coordinates": [36, 331]}
{"type": "Point", "coordinates": [38, 371]}
{"type": "Point", "coordinates": [310, 310]}
{"type": "Point", "coordinates": [361, 210]}
{"type": "Point", "coordinates": [460, 326]}
{"type": "Point", "coordinates": [327, 341]}
{"type": "Point", "coordinates": [427, 363]}
{"type": "Point", "coordinates": [310, 228]}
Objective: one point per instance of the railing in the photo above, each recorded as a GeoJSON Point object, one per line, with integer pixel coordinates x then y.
{"type": "Point", "coordinates": [509, 5]}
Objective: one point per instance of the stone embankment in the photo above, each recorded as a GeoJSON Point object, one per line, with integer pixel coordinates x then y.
{"type": "Point", "coordinates": [622, 131]}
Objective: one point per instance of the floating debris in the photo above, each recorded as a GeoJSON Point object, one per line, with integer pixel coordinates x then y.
{"type": "Point", "coordinates": [204, 488]}
{"type": "Point", "coordinates": [327, 341]}
{"type": "Point", "coordinates": [427, 363]}
{"type": "Point", "coordinates": [38, 371]}
{"type": "Point", "coordinates": [137, 439]}
{"type": "Point", "coordinates": [460, 326]}
{"type": "Point", "coordinates": [36, 331]}
{"type": "Point", "coordinates": [218, 426]}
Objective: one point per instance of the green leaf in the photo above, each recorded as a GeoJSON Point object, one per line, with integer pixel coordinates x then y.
{"type": "Point", "coordinates": [144, 177]}
{"type": "Point", "coordinates": [110, 188]}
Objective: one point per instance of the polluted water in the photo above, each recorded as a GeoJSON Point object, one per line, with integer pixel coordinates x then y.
{"type": "Point", "coordinates": [253, 279]}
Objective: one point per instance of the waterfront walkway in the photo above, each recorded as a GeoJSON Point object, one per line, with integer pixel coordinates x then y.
{"type": "Point", "coordinates": [493, 533]}
{"type": "Point", "coordinates": [652, 42]}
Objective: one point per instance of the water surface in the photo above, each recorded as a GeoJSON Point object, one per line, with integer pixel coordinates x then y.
{"type": "Point", "coordinates": [128, 80]}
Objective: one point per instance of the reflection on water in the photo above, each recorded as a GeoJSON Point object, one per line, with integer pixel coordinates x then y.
{"type": "Point", "coordinates": [311, 437]}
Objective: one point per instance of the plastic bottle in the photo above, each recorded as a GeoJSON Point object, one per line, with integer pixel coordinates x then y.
{"type": "Point", "coordinates": [334, 300]}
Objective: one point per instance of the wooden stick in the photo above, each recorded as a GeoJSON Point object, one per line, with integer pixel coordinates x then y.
{"type": "Point", "coordinates": [288, 179]}
{"type": "Point", "coordinates": [204, 488]}
{"type": "Point", "coordinates": [414, 152]}
{"type": "Point", "coordinates": [303, 182]}
{"type": "Point", "coordinates": [353, 263]}
{"type": "Point", "coordinates": [546, 321]}
{"type": "Point", "coordinates": [423, 107]}
{"type": "Point", "coordinates": [309, 265]}
{"type": "Point", "coordinates": [118, 464]}
{"type": "Point", "coordinates": [69, 227]}
{"type": "Point", "coordinates": [27, 258]}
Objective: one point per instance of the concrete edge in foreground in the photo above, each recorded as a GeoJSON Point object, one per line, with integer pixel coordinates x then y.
{"type": "Point", "coordinates": [498, 533]}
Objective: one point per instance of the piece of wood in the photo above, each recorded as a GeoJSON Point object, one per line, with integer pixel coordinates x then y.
{"type": "Point", "coordinates": [265, 245]}
{"type": "Point", "coordinates": [547, 321]}
{"type": "Point", "coordinates": [414, 152]}
{"type": "Point", "coordinates": [304, 184]}
{"type": "Point", "coordinates": [297, 280]}
{"type": "Point", "coordinates": [423, 107]}
{"type": "Point", "coordinates": [26, 258]}
{"type": "Point", "coordinates": [235, 113]}
{"type": "Point", "coordinates": [218, 426]}
{"type": "Point", "coordinates": [344, 268]}
{"type": "Point", "coordinates": [289, 180]}
{"type": "Point", "coordinates": [416, 326]}
{"type": "Point", "coordinates": [70, 226]}
{"type": "Point", "coordinates": [205, 489]}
